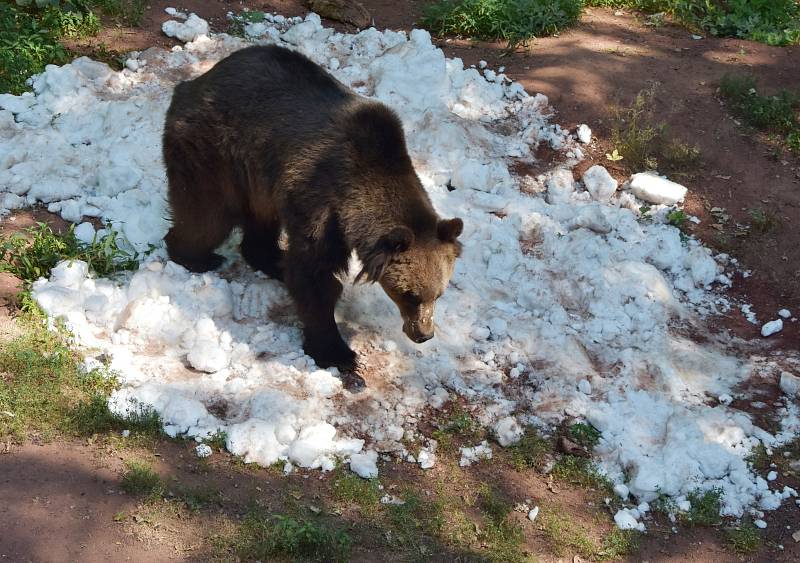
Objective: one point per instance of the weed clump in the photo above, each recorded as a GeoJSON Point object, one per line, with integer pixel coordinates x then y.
{"type": "Point", "coordinates": [776, 114]}
{"type": "Point", "coordinates": [705, 507]}
{"type": "Point", "coordinates": [514, 21]}
{"type": "Point", "coordinates": [140, 479]}
{"type": "Point", "coordinates": [644, 144]}
{"type": "Point", "coordinates": [265, 537]}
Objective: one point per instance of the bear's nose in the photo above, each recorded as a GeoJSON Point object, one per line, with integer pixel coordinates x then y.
{"type": "Point", "coordinates": [420, 338]}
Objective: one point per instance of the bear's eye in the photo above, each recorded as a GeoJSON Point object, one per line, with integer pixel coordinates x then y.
{"type": "Point", "coordinates": [411, 299]}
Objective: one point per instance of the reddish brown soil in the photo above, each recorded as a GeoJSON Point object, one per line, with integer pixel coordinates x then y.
{"type": "Point", "coordinates": [59, 501]}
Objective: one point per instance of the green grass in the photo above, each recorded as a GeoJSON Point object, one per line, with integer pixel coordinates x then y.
{"type": "Point", "coordinates": [584, 434]}
{"type": "Point", "coordinates": [776, 114]}
{"type": "Point", "coordinates": [197, 498]}
{"type": "Point", "coordinates": [125, 12]}
{"type": "Point", "coordinates": [582, 472]}
{"type": "Point", "coordinates": [744, 538]}
{"type": "Point", "coordinates": [564, 535]}
{"type": "Point", "coordinates": [705, 507]}
{"type": "Point", "coordinates": [531, 452]}
{"type": "Point", "coordinates": [645, 144]}
{"type": "Point", "coordinates": [350, 488]}
{"type": "Point", "coordinates": [514, 21]}
{"type": "Point", "coordinates": [567, 536]}
{"type": "Point", "coordinates": [677, 218]}
{"type": "Point", "coordinates": [776, 22]}
{"type": "Point", "coordinates": [265, 537]}
{"type": "Point", "coordinates": [46, 393]}
{"type": "Point", "coordinates": [32, 254]}
{"type": "Point", "coordinates": [139, 479]}
{"type": "Point", "coordinates": [459, 424]}
{"type": "Point", "coordinates": [502, 537]}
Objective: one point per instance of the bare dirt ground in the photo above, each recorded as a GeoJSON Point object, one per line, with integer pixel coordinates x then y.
{"type": "Point", "coordinates": [62, 502]}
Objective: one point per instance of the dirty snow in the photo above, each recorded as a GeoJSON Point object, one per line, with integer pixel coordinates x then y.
{"type": "Point", "coordinates": [556, 294]}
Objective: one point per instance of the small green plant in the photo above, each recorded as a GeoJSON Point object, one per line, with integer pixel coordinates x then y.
{"type": "Point", "coordinates": [239, 21]}
{"type": "Point", "coordinates": [458, 424]}
{"type": "Point", "coordinates": [265, 537]}
{"type": "Point", "coordinates": [350, 488]}
{"type": "Point", "coordinates": [705, 507]}
{"type": "Point", "coordinates": [776, 114]}
{"type": "Point", "coordinates": [140, 479]}
{"type": "Point", "coordinates": [218, 440]}
{"type": "Point", "coordinates": [71, 22]}
{"type": "Point", "coordinates": [647, 144]}
{"type": "Point", "coordinates": [514, 21]}
{"type": "Point", "coordinates": [33, 253]}
{"type": "Point", "coordinates": [531, 452]}
{"type": "Point", "coordinates": [759, 458]}
{"type": "Point", "coordinates": [677, 218]}
{"type": "Point", "coordinates": [763, 221]}
{"type": "Point", "coordinates": [614, 156]}
{"type": "Point", "coordinates": [585, 434]}
{"type": "Point", "coordinates": [618, 543]}
{"type": "Point", "coordinates": [744, 538]}
{"type": "Point", "coordinates": [197, 498]}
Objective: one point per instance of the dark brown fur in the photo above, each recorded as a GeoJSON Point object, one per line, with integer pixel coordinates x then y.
{"type": "Point", "coordinates": [267, 140]}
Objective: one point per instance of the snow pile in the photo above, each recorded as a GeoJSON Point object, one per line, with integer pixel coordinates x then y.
{"type": "Point", "coordinates": [188, 30]}
{"type": "Point", "coordinates": [565, 304]}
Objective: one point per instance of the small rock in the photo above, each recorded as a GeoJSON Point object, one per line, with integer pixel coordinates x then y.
{"type": "Point", "coordinates": [772, 475]}
{"type": "Point", "coordinates": [533, 513]}
{"type": "Point", "coordinates": [760, 524]}
{"type": "Point", "coordinates": [345, 11]}
{"type": "Point", "coordinates": [784, 313]}
{"type": "Point", "coordinates": [771, 328]}
{"type": "Point", "coordinates": [796, 536]}
{"type": "Point", "coordinates": [625, 521]}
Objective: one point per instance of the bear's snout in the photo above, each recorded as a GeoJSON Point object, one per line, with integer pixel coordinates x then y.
{"type": "Point", "coordinates": [417, 331]}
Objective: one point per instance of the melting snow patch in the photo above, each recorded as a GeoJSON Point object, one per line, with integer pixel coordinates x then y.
{"type": "Point", "coordinates": [203, 450]}
{"type": "Point", "coordinates": [584, 134]}
{"type": "Point", "coordinates": [475, 454]}
{"type": "Point", "coordinates": [552, 291]}
{"type": "Point", "coordinates": [365, 465]}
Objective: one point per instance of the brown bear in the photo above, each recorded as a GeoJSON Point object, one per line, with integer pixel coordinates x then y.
{"type": "Point", "coordinates": [268, 141]}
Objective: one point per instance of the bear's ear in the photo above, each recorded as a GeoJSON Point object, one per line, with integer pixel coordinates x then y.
{"type": "Point", "coordinates": [449, 229]}
{"type": "Point", "coordinates": [378, 258]}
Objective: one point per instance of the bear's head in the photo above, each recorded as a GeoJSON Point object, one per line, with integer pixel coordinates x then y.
{"type": "Point", "coordinates": [415, 272]}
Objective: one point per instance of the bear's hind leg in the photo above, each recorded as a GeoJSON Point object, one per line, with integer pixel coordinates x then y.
{"type": "Point", "coordinates": [260, 248]}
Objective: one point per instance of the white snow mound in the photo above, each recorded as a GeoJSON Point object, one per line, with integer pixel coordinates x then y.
{"type": "Point", "coordinates": [560, 305]}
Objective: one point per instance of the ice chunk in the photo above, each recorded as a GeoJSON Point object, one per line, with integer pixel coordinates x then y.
{"type": "Point", "coordinates": [599, 183]}
{"type": "Point", "coordinates": [584, 134]}
{"type": "Point", "coordinates": [790, 384]}
{"type": "Point", "coordinates": [656, 189]}
{"type": "Point", "coordinates": [365, 465]}
{"type": "Point", "coordinates": [203, 450]}
{"type": "Point", "coordinates": [560, 186]}
{"type": "Point", "coordinates": [191, 29]}
{"type": "Point", "coordinates": [772, 327]}
{"type": "Point", "coordinates": [508, 431]}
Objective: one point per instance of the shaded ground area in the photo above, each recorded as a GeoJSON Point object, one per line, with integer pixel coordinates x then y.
{"type": "Point", "coordinates": [62, 501]}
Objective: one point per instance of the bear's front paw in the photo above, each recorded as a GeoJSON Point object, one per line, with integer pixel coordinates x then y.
{"type": "Point", "coordinates": [328, 354]}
